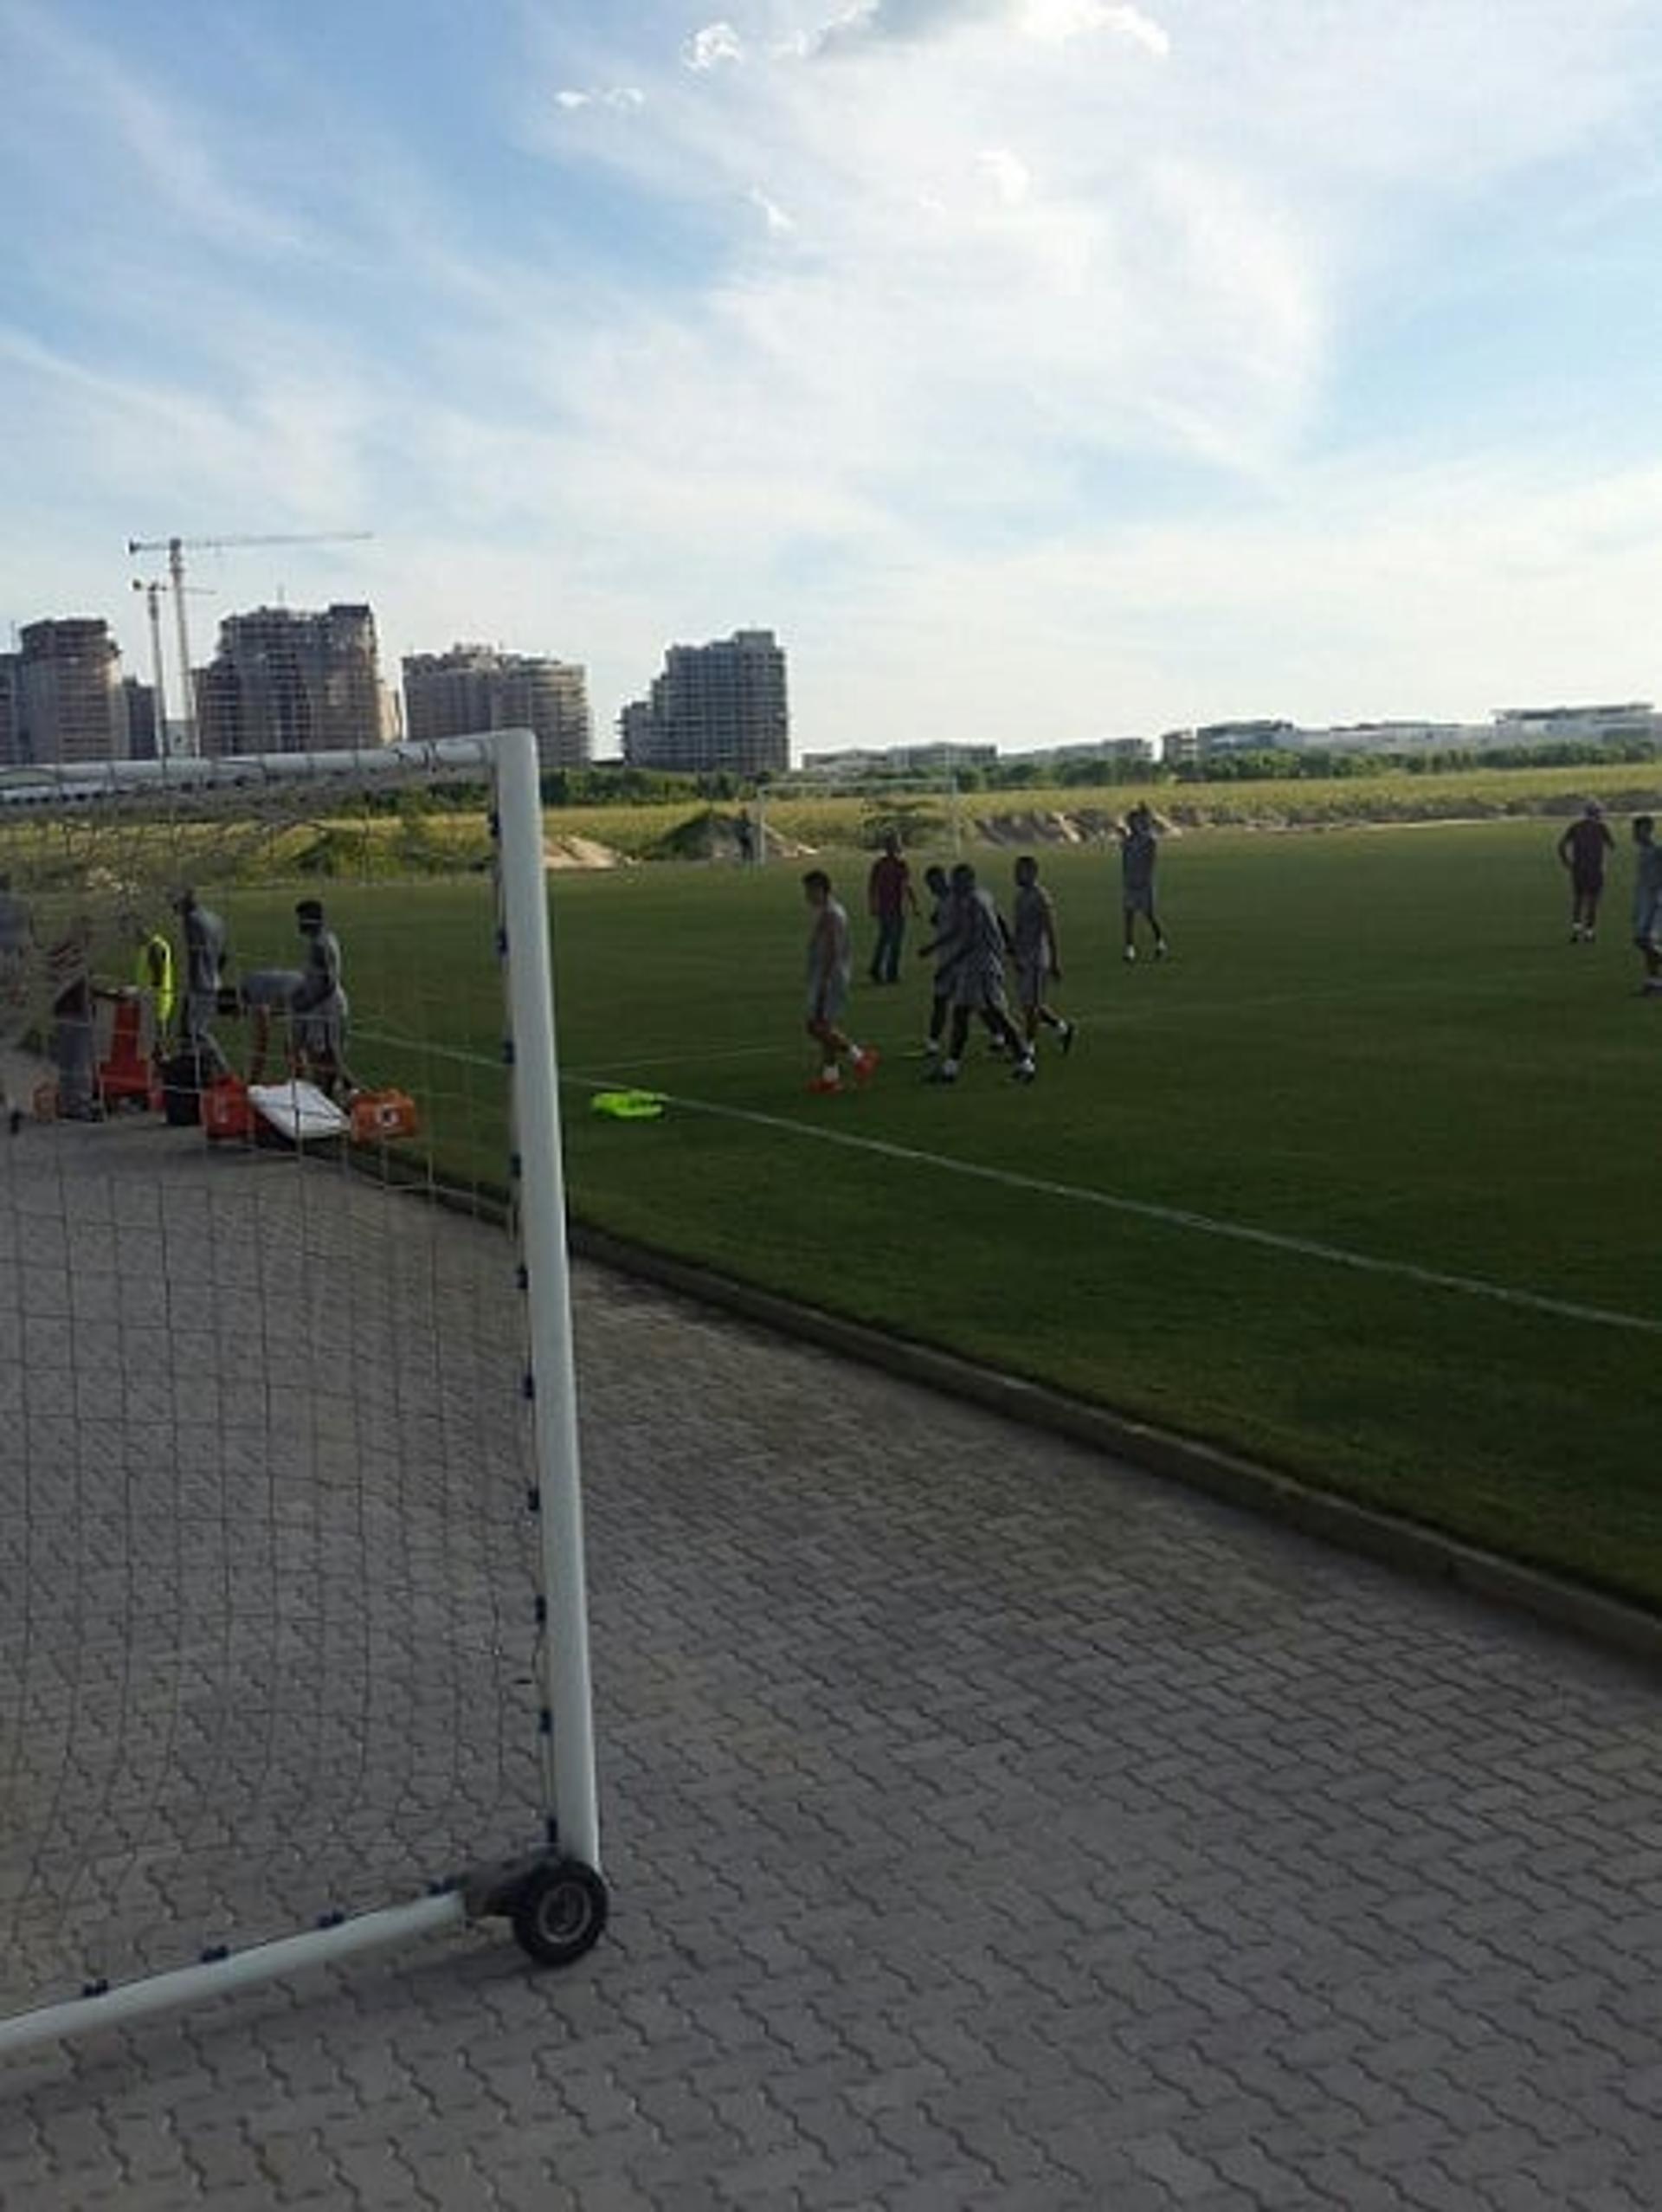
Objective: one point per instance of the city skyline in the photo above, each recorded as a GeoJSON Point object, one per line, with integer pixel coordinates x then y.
{"type": "Point", "coordinates": [1037, 369]}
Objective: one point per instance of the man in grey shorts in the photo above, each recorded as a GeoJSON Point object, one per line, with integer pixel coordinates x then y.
{"type": "Point", "coordinates": [977, 948]}
{"type": "Point", "coordinates": [830, 962]}
{"type": "Point", "coordinates": [204, 963]}
{"type": "Point", "coordinates": [318, 1005]}
{"type": "Point", "coordinates": [267, 996]}
{"type": "Point", "coordinates": [1139, 848]}
{"type": "Point", "coordinates": [1038, 955]}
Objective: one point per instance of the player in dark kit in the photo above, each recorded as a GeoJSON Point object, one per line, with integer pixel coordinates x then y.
{"type": "Point", "coordinates": [1581, 848]}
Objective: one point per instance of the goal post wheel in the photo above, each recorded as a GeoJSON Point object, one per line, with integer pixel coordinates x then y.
{"type": "Point", "coordinates": [557, 1912]}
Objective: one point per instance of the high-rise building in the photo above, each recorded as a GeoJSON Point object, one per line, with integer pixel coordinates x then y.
{"type": "Point", "coordinates": [11, 709]}
{"type": "Point", "coordinates": [475, 687]}
{"type": "Point", "coordinates": [715, 706]}
{"type": "Point", "coordinates": [634, 731]}
{"type": "Point", "coordinates": [142, 734]}
{"type": "Point", "coordinates": [287, 681]}
{"type": "Point", "coordinates": [67, 700]}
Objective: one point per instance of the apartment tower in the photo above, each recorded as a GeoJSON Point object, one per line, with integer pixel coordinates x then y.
{"type": "Point", "coordinates": [717, 707]}
{"type": "Point", "coordinates": [475, 687]}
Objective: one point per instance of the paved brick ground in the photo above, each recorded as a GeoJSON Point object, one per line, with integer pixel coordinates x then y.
{"type": "Point", "coordinates": [988, 1827]}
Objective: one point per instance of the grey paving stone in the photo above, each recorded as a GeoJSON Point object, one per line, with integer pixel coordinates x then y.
{"type": "Point", "coordinates": [987, 1824]}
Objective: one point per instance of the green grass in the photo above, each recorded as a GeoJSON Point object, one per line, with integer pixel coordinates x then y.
{"type": "Point", "coordinates": [1377, 1041]}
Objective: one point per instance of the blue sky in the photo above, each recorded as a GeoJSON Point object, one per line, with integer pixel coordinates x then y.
{"type": "Point", "coordinates": [1039, 369]}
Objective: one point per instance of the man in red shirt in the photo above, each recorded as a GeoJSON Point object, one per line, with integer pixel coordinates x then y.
{"type": "Point", "coordinates": [1581, 848]}
{"type": "Point", "coordinates": [889, 898]}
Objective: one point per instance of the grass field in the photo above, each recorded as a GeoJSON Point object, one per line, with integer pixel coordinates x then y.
{"type": "Point", "coordinates": [1362, 1183]}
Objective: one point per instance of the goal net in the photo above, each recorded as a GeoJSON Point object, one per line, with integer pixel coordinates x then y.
{"type": "Point", "coordinates": [292, 1644]}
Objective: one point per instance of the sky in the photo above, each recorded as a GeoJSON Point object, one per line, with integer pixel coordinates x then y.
{"type": "Point", "coordinates": [1039, 371]}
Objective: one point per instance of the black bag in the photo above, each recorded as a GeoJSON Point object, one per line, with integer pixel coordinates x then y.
{"type": "Point", "coordinates": [183, 1078]}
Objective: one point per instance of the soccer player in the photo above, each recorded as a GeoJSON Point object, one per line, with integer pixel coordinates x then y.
{"type": "Point", "coordinates": [1581, 849]}
{"type": "Point", "coordinates": [942, 944]}
{"type": "Point", "coordinates": [204, 960]}
{"type": "Point", "coordinates": [1038, 955]}
{"type": "Point", "coordinates": [830, 962]}
{"type": "Point", "coordinates": [266, 994]}
{"type": "Point", "coordinates": [1138, 850]}
{"type": "Point", "coordinates": [1647, 901]}
{"type": "Point", "coordinates": [319, 1008]}
{"type": "Point", "coordinates": [889, 899]}
{"type": "Point", "coordinates": [979, 941]}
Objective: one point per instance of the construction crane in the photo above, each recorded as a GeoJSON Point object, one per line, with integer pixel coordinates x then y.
{"type": "Point", "coordinates": [152, 588]}
{"type": "Point", "coordinates": [176, 548]}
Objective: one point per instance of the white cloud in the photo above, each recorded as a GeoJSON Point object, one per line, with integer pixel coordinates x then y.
{"type": "Point", "coordinates": [1008, 175]}
{"type": "Point", "coordinates": [1060, 20]}
{"type": "Point", "coordinates": [712, 46]}
{"type": "Point", "coordinates": [780, 225]}
{"type": "Point", "coordinates": [1053, 22]}
{"type": "Point", "coordinates": [619, 96]}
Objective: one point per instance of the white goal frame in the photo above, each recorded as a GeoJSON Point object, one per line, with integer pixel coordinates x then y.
{"type": "Point", "coordinates": [507, 760]}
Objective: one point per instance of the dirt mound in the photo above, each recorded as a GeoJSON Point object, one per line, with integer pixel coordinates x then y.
{"type": "Point", "coordinates": [1037, 826]}
{"type": "Point", "coordinates": [714, 836]}
{"type": "Point", "coordinates": [578, 852]}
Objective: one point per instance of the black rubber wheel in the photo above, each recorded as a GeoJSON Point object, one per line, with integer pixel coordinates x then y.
{"type": "Point", "coordinates": [559, 1911]}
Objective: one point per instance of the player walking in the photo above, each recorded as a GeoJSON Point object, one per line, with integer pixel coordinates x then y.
{"type": "Point", "coordinates": [204, 963]}
{"type": "Point", "coordinates": [830, 962]}
{"type": "Point", "coordinates": [319, 1010]}
{"type": "Point", "coordinates": [1037, 957]}
{"type": "Point", "coordinates": [978, 945]}
{"type": "Point", "coordinates": [1581, 849]}
{"type": "Point", "coordinates": [941, 944]}
{"type": "Point", "coordinates": [1647, 901]}
{"type": "Point", "coordinates": [1139, 848]}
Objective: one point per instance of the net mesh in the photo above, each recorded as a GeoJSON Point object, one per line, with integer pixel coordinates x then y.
{"type": "Point", "coordinates": [268, 1597]}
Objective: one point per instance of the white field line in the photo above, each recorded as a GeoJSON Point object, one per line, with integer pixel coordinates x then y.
{"type": "Point", "coordinates": [1169, 1216]}
{"type": "Point", "coordinates": [1306, 1247]}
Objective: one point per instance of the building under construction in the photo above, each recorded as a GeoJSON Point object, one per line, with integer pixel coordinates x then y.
{"type": "Point", "coordinates": [60, 695]}
{"type": "Point", "coordinates": [287, 681]}
{"type": "Point", "coordinates": [475, 687]}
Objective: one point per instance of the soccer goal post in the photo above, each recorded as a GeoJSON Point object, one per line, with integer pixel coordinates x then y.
{"type": "Point", "coordinates": [294, 1648]}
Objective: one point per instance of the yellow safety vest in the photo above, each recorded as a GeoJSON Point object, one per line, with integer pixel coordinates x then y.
{"type": "Point", "coordinates": [154, 973]}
